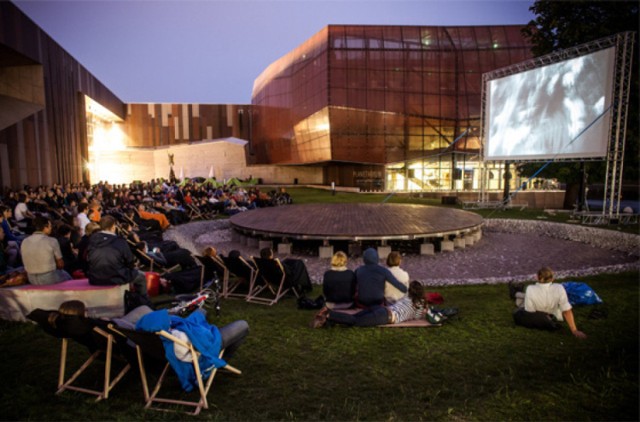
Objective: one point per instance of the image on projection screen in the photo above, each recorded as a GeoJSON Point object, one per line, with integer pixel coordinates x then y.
{"type": "Point", "coordinates": [540, 113]}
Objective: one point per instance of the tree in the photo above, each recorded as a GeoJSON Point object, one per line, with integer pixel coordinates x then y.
{"type": "Point", "coordinates": [564, 24]}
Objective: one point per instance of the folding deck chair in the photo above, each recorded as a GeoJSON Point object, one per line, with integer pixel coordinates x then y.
{"type": "Point", "coordinates": [245, 272]}
{"type": "Point", "coordinates": [91, 334]}
{"type": "Point", "coordinates": [147, 262]}
{"type": "Point", "coordinates": [195, 213]}
{"type": "Point", "coordinates": [214, 267]}
{"type": "Point", "coordinates": [151, 355]}
{"type": "Point", "coordinates": [183, 278]}
{"type": "Point", "coordinates": [271, 278]}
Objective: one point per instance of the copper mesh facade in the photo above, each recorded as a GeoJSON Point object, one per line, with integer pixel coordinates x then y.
{"type": "Point", "coordinates": [367, 102]}
{"type": "Point", "coordinates": [154, 124]}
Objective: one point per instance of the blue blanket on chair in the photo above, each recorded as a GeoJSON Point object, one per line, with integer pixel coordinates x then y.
{"type": "Point", "coordinates": [205, 338]}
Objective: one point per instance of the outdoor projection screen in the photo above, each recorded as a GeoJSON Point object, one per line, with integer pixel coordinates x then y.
{"type": "Point", "coordinates": [561, 110]}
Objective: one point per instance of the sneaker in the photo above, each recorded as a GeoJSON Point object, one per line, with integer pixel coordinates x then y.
{"type": "Point", "coordinates": [320, 319]}
{"type": "Point", "coordinates": [447, 312]}
{"type": "Point", "coordinates": [434, 317]}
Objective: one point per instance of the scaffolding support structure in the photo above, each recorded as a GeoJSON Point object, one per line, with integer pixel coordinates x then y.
{"type": "Point", "coordinates": [615, 158]}
{"type": "Point", "coordinates": [623, 43]}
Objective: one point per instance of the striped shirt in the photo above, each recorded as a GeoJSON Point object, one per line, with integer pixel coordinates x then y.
{"type": "Point", "coordinates": [404, 310]}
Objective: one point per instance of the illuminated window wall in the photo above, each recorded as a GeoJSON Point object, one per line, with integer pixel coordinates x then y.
{"type": "Point", "coordinates": [403, 101]}
{"type": "Point", "coordinates": [444, 174]}
{"type": "Point", "coordinates": [104, 136]}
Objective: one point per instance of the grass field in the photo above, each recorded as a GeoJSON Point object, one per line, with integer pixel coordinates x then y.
{"type": "Point", "coordinates": [478, 366]}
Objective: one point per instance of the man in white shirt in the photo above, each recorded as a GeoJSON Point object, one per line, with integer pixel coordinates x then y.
{"type": "Point", "coordinates": [21, 213]}
{"type": "Point", "coordinates": [83, 220]}
{"type": "Point", "coordinates": [41, 255]}
{"type": "Point", "coordinates": [545, 300]}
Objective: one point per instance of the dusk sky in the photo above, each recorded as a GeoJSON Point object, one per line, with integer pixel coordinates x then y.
{"type": "Point", "coordinates": [211, 51]}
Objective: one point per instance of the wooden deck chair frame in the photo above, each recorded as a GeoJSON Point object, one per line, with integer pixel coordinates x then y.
{"type": "Point", "coordinates": [151, 396]}
{"type": "Point", "coordinates": [129, 220]}
{"type": "Point", "coordinates": [120, 231]}
{"type": "Point", "coordinates": [195, 213]}
{"type": "Point", "coordinates": [149, 262]}
{"type": "Point", "coordinates": [232, 286]}
{"type": "Point", "coordinates": [108, 383]}
{"type": "Point", "coordinates": [201, 265]}
{"type": "Point", "coordinates": [58, 215]}
{"type": "Point", "coordinates": [275, 286]}
{"type": "Point", "coordinates": [65, 383]}
{"type": "Point", "coordinates": [220, 268]}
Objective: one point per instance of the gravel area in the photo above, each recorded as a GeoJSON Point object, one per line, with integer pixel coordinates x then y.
{"type": "Point", "coordinates": [509, 250]}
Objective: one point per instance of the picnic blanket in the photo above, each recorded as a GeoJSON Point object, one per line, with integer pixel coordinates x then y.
{"type": "Point", "coordinates": [414, 323]}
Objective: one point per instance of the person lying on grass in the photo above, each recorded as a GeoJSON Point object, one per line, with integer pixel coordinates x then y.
{"type": "Point", "coordinates": [545, 303]}
{"type": "Point", "coordinates": [412, 306]}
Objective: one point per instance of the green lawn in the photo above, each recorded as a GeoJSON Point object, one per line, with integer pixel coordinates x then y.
{"type": "Point", "coordinates": [478, 366]}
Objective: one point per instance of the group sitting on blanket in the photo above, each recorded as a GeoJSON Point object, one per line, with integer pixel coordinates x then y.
{"type": "Point", "coordinates": [373, 289]}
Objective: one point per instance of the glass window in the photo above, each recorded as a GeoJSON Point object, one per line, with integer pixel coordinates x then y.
{"type": "Point", "coordinates": [392, 37]}
{"type": "Point", "coordinates": [411, 37]}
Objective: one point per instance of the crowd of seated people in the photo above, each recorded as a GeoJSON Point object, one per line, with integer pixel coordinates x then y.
{"type": "Point", "coordinates": [142, 212]}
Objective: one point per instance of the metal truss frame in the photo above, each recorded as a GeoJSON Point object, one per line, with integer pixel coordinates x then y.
{"type": "Point", "coordinates": [623, 42]}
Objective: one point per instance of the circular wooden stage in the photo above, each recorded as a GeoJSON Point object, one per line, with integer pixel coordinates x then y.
{"type": "Point", "coordinates": [355, 222]}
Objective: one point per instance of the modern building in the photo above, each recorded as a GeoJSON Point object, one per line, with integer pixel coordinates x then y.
{"type": "Point", "coordinates": [373, 107]}
{"type": "Point", "coordinates": [394, 107]}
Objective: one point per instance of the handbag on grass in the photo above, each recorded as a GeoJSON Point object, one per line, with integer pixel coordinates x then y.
{"type": "Point", "coordinates": [16, 278]}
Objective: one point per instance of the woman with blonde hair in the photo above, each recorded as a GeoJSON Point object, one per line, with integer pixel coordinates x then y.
{"type": "Point", "coordinates": [339, 283]}
{"type": "Point", "coordinates": [545, 303]}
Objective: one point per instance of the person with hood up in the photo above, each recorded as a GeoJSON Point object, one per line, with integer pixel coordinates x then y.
{"type": "Point", "coordinates": [111, 260]}
{"type": "Point", "coordinates": [370, 281]}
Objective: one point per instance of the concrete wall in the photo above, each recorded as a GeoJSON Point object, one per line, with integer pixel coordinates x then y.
{"type": "Point", "coordinates": [225, 158]}
{"type": "Point", "coordinates": [124, 166]}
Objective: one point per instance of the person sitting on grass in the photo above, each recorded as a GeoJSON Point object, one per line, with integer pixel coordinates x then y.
{"type": "Point", "coordinates": [412, 306]}
{"type": "Point", "coordinates": [339, 283]}
{"type": "Point", "coordinates": [9, 250]}
{"type": "Point", "coordinates": [110, 260]}
{"type": "Point", "coordinates": [544, 304]}
{"type": "Point", "coordinates": [23, 216]}
{"type": "Point", "coordinates": [41, 255]}
{"type": "Point", "coordinates": [155, 216]}
{"type": "Point", "coordinates": [370, 281]}
{"type": "Point", "coordinates": [296, 274]}
{"type": "Point", "coordinates": [391, 294]}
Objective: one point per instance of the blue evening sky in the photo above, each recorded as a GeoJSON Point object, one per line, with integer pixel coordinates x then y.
{"type": "Point", "coordinates": [211, 51]}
